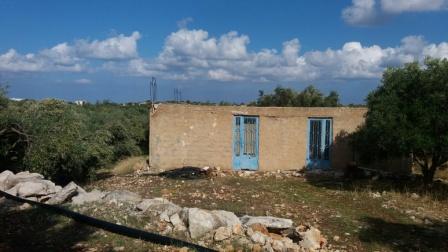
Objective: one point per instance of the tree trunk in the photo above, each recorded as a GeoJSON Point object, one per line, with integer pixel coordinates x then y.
{"type": "Point", "coordinates": [428, 174]}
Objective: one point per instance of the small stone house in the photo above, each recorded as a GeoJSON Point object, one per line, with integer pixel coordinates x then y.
{"type": "Point", "coordinates": [252, 138]}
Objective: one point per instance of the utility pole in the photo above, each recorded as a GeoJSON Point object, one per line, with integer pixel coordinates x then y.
{"type": "Point", "coordinates": [153, 98]}
{"type": "Point", "coordinates": [177, 95]}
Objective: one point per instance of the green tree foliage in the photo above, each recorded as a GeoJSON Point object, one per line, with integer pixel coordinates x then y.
{"type": "Point", "coordinates": [407, 115]}
{"type": "Point", "coordinates": [287, 97]}
{"type": "Point", "coordinates": [3, 98]}
{"type": "Point", "coordinates": [68, 142]}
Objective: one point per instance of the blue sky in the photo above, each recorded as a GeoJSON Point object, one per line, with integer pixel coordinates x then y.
{"type": "Point", "coordinates": [211, 50]}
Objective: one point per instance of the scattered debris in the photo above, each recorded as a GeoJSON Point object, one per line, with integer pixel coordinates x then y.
{"type": "Point", "coordinates": [122, 196]}
{"type": "Point", "coordinates": [214, 228]}
{"type": "Point", "coordinates": [267, 221]}
{"type": "Point", "coordinates": [375, 195]}
{"type": "Point", "coordinates": [87, 197]}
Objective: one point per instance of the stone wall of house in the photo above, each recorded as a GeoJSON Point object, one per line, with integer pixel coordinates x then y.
{"type": "Point", "coordinates": [191, 135]}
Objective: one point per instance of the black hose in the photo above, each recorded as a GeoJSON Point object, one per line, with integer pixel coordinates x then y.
{"type": "Point", "coordinates": [111, 227]}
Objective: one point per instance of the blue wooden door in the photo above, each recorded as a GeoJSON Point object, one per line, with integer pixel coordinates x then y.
{"type": "Point", "coordinates": [245, 143]}
{"type": "Point", "coordinates": [320, 133]}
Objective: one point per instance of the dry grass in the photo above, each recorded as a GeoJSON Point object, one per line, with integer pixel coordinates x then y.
{"type": "Point", "coordinates": [365, 217]}
{"type": "Point", "coordinates": [442, 173]}
{"type": "Point", "coordinates": [129, 165]}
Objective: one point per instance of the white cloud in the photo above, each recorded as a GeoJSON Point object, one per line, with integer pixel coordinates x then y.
{"type": "Point", "coordinates": [368, 12]}
{"type": "Point", "coordinates": [291, 51]}
{"type": "Point", "coordinates": [222, 75]}
{"type": "Point", "coordinates": [361, 12]}
{"type": "Point", "coordinates": [399, 6]}
{"type": "Point", "coordinates": [183, 23]}
{"type": "Point", "coordinates": [193, 54]}
{"type": "Point", "coordinates": [436, 51]}
{"type": "Point", "coordinates": [83, 81]}
{"type": "Point", "coordinates": [12, 61]}
{"type": "Point", "coordinates": [71, 57]}
{"type": "Point", "coordinates": [115, 48]}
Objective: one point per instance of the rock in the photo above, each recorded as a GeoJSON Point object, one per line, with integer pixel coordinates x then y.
{"type": "Point", "coordinates": [34, 188]}
{"type": "Point", "coordinates": [275, 236]}
{"type": "Point", "coordinates": [237, 229]}
{"type": "Point", "coordinates": [94, 195]}
{"type": "Point", "coordinates": [292, 233]}
{"type": "Point", "coordinates": [32, 198]}
{"type": "Point", "coordinates": [227, 218]}
{"type": "Point", "coordinates": [229, 248]}
{"type": "Point", "coordinates": [80, 190]}
{"type": "Point", "coordinates": [256, 248]}
{"type": "Point", "coordinates": [375, 195]}
{"type": "Point", "coordinates": [312, 239]}
{"type": "Point", "coordinates": [13, 180]}
{"type": "Point", "coordinates": [268, 221]}
{"type": "Point", "coordinates": [415, 196]}
{"type": "Point", "coordinates": [260, 228]}
{"type": "Point", "coordinates": [222, 233]}
{"type": "Point", "coordinates": [249, 232]}
{"type": "Point", "coordinates": [158, 206]}
{"type": "Point", "coordinates": [121, 248]}
{"type": "Point", "coordinates": [258, 237]}
{"type": "Point", "coordinates": [168, 229]}
{"type": "Point", "coordinates": [3, 177]}
{"type": "Point", "coordinates": [25, 206]}
{"type": "Point", "coordinates": [243, 242]}
{"type": "Point", "coordinates": [200, 222]}
{"type": "Point", "coordinates": [278, 246]}
{"type": "Point", "coordinates": [65, 194]}
{"type": "Point", "coordinates": [122, 196]}
{"type": "Point", "coordinates": [268, 247]}
{"type": "Point", "coordinates": [336, 238]}
{"type": "Point", "coordinates": [177, 222]}
{"type": "Point", "coordinates": [12, 191]}
{"type": "Point", "coordinates": [27, 176]}
{"type": "Point", "coordinates": [164, 217]}
{"type": "Point", "coordinates": [296, 247]}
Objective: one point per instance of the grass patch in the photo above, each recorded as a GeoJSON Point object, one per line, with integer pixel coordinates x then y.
{"type": "Point", "coordinates": [356, 211]}
{"type": "Point", "coordinates": [126, 166]}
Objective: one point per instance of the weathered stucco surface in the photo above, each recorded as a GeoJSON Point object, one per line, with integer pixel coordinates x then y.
{"type": "Point", "coordinates": [191, 135]}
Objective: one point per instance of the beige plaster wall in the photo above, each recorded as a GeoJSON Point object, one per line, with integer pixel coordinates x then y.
{"type": "Point", "coordinates": [191, 135]}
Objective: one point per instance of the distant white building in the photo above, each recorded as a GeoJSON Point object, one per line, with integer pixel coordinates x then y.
{"type": "Point", "coordinates": [80, 102]}
{"type": "Point", "coordinates": [16, 99]}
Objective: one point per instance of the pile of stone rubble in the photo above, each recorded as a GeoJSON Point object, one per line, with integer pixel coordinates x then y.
{"type": "Point", "coordinates": [208, 227]}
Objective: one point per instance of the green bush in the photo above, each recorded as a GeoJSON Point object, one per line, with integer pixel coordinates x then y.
{"type": "Point", "coordinates": [287, 97]}
{"type": "Point", "coordinates": [67, 142]}
{"type": "Point", "coordinates": [407, 115]}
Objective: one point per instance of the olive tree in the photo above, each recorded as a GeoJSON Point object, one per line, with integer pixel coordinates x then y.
{"type": "Point", "coordinates": [408, 115]}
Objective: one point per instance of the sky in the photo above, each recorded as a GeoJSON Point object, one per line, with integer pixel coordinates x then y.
{"type": "Point", "coordinates": [212, 50]}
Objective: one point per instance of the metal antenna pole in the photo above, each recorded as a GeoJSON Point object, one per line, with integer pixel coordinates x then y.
{"type": "Point", "coordinates": [153, 98]}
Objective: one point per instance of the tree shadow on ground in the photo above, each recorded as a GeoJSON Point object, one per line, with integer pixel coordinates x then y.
{"type": "Point", "coordinates": [103, 175]}
{"type": "Point", "coordinates": [405, 237]}
{"type": "Point", "coordinates": [184, 173]}
{"type": "Point", "coordinates": [35, 229]}
{"type": "Point", "coordinates": [438, 191]}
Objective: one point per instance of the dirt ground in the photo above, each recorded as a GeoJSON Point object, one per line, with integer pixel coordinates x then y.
{"type": "Point", "coordinates": [360, 215]}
